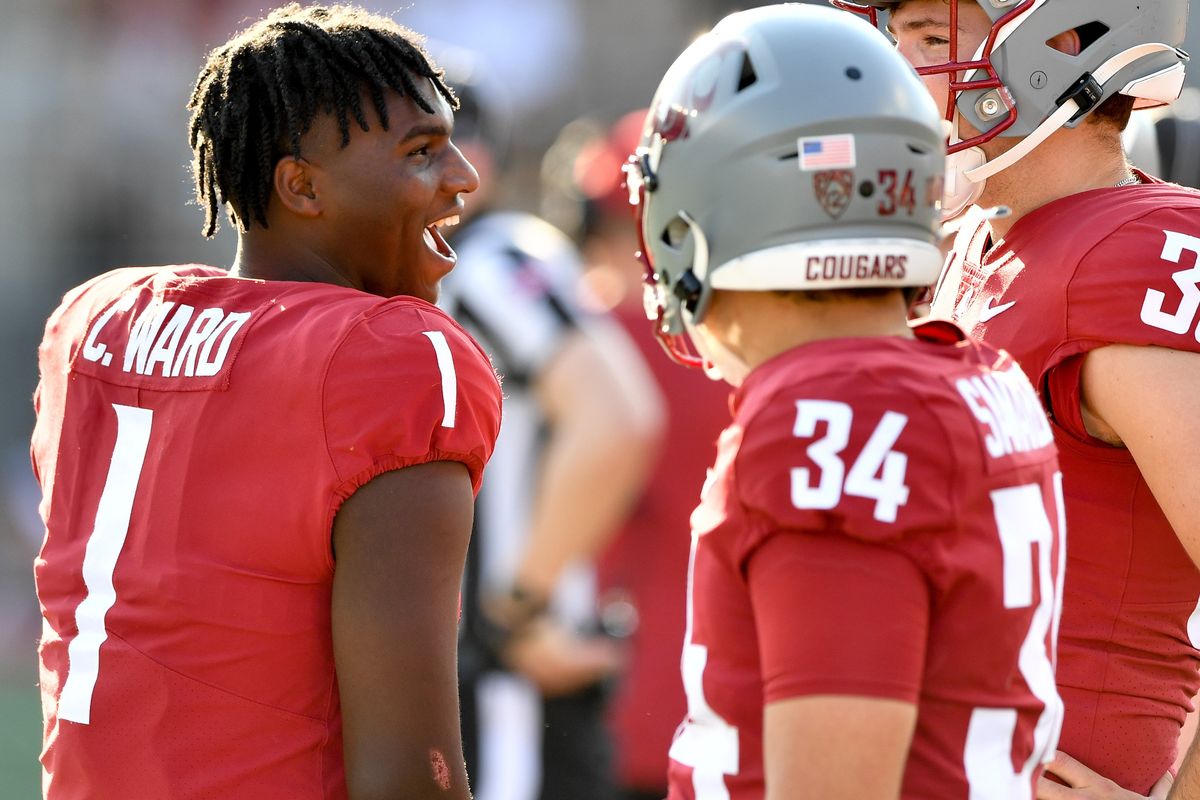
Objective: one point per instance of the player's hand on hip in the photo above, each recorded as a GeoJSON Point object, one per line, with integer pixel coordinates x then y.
{"type": "Point", "coordinates": [1084, 783]}
{"type": "Point", "coordinates": [560, 662]}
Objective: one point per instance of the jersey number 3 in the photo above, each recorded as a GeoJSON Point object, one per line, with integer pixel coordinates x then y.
{"type": "Point", "coordinates": [100, 561]}
{"type": "Point", "coordinates": [1188, 281]}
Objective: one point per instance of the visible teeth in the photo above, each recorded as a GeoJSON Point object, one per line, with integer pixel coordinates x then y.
{"type": "Point", "coordinates": [442, 223]}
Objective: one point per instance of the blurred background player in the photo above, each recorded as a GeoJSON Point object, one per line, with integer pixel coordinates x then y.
{"type": "Point", "coordinates": [1102, 316]}
{"type": "Point", "coordinates": [873, 579]}
{"type": "Point", "coordinates": [582, 418]}
{"type": "Point", "coordinates": [258, 483]}
{"type": "Point", "coordinates": [643, 572]}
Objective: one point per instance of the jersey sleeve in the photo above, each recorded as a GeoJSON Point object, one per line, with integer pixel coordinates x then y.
{"type": "Point", "coordinates": [1138, 286]}
{"type": "Point", "coordinates": [407, 386]}
{"type": "Point", "coordinates": [835, 615]}
{"type": "Point", "coordinates": [878, 467]}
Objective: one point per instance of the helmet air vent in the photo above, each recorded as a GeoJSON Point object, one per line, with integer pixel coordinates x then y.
{"type": "Point", "coordinates": [748, 76]}
{"type": "Point", "coordinates": [1088, 34]}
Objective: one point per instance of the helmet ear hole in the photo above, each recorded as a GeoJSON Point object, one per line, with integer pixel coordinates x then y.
{"type": "Point", "coordinates": [675, 232]}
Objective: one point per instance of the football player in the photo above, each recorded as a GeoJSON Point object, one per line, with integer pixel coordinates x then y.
{"type": "Point", "coordinates": [258, 482]}
{"type": "Point", "coordinates": [872, 588]}
{"type": "Point", "coordinates": [1089, 276]}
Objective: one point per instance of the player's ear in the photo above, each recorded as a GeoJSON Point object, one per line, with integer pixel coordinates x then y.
{"type": "Point", "coordinates": [1067, 42]}
{"type": "Point", "coordinates": [295, 187]}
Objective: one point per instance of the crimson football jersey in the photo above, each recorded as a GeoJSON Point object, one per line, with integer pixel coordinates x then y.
{"type": "Point", "coordinates": [882, 520]}
{"type": "Point", "coordinates": [1113, 265]}
{"type": "Point", "coordinates": [196, 435]}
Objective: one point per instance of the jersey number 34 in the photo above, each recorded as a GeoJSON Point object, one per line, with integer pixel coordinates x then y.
{"type": "Point", "coordinates": [877, 458]}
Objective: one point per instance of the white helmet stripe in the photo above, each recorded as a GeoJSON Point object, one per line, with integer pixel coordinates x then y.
{"type": "Point", "coordinates": [832, 264]}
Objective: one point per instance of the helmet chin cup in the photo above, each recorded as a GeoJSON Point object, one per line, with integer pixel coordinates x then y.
{"type": "Point", "coordinates": [960, 191]}
{"type": "Point", "coordinates": [720, 363]}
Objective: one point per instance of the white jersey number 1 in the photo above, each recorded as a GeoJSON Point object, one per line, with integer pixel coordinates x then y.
{"type": "Point", "coordinates": [100, 561]}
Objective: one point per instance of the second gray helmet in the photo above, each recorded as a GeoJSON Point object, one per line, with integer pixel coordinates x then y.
{"type": "Point", "coordinates": [789, 148]}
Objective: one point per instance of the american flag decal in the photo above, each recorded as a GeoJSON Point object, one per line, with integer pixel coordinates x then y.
{"type": "Point", "coordinates": [826, 152]}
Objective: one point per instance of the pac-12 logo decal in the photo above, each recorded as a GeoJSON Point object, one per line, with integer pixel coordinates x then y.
{"type": "Point", "coordinates": [833, 189]}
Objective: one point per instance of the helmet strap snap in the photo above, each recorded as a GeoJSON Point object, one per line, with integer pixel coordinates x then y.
{"type": "Point", "coordinates": [688, 289]}
{"type": "Point", "coordinates": [1086, 92]}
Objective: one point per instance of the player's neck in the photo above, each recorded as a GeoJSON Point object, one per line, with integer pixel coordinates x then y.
{"type": "Point", "coordinates": [267, 255]}
{"type": "Point", "coordinates": [1069, 162]}
{"type": "Point", "coordinates": [758, 326]}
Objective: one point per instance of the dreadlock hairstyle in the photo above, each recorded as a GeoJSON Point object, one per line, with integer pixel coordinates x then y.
{"type": "Point", "coordinates": [260, 92]}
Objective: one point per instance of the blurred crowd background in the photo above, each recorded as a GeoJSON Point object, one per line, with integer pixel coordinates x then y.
{"type": "Point", "coordinates": [94, 168]}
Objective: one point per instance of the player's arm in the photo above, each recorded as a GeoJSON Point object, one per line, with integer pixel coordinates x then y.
{"type": "Point", "coordinates": [1187, 782]}
{"type": "Point", "coordinates": [1079, 782]}
{"type": "Point", "coordinates": [840, 683]}
{"type": "Point", "coordinates": [604, 417]}
{"type": "Point", "coordinates": [1187, 740]}
{"type": "Point", "coordinates": [836, 747]}
{"type": "Point", "coordinates": [399, 543]}
{"type": "Point", "coordinates": [1145, 399]}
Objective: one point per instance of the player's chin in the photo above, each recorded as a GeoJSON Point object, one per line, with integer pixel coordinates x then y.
{"type": "Point", "coordinates": [422, 269]}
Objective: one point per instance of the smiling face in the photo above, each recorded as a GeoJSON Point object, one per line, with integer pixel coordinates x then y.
{"type": "Point", "coordinates": [384, 194]}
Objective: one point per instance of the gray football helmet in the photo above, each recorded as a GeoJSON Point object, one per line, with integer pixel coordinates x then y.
{"type": "Point", "coordinates": [1017, 85]}
{"type": "Point", "coordinates": [789, 148]}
